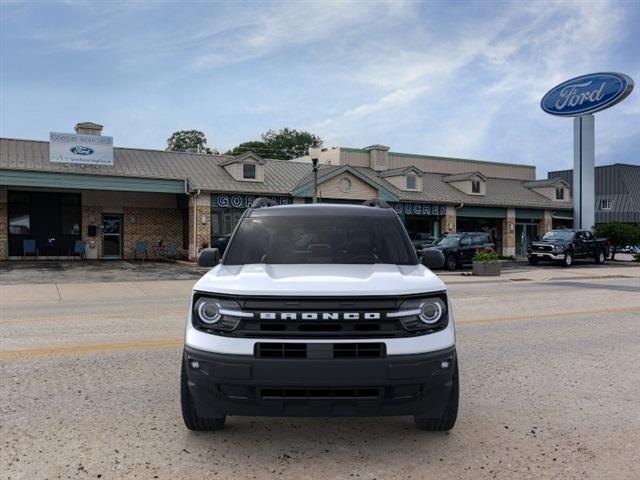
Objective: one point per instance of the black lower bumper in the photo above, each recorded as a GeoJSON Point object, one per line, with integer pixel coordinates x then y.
{"type": "Point", "coordinates": [417, 384]}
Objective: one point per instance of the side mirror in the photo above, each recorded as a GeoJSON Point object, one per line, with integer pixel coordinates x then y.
{"type": "Point", "coordinates": [209, 257]}
{"type": "Point", "coordinates": [432, 258]}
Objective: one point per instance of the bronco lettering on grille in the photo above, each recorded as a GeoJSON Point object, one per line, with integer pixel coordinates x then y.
{"type": "Point", "coordinates": [319, 316]}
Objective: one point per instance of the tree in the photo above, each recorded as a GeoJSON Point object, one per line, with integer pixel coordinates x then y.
{"type": "Point", "coordinates": [283, 144]}
{"type": "Point", "coordinates": [188, 141]}
{"type": "Point", "coordinates": [619, 234]}
{"type": "Point", "coordinates": [255, 146]}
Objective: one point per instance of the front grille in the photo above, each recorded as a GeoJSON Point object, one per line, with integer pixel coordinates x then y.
{"type": "Point", "coordinates": [543, 248]}
{"type": "Point", "coordinates": [260, 328]}
{"type": "Point", "coordinates": [320, 351]}
{"type": "Point", "coordinates": [311, 393]}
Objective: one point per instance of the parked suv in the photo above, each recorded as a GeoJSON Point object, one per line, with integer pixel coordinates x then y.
{"type": "Point", "coordinates": [460, 248]}
{"type": "Point", "coordinates": [319, 310]}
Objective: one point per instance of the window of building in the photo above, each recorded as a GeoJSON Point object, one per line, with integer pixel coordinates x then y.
{"type": "Point", "coordinates": [249, 170]}
{"type": "Point", "coordinates": [475, 186]}
{"type": "Point", "coordinates": [411, 182]}
{"type": "Point", "coordinates": [605, 204]}
{"type": "Point", "coordinates": [560, 193]}
{"type": "Point", "coordinates": [344, 185]}
{"type": "Point", "coordinates": [19, 213]}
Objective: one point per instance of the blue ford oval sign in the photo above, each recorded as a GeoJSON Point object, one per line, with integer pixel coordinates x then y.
{"type": "Point", "coordinates": [79, 150]}
{"type": "Point", "coordinates": [587, 94]}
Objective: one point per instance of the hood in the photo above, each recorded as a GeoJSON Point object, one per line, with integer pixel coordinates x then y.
{"type": "Point", "coordinates": [319, 280]}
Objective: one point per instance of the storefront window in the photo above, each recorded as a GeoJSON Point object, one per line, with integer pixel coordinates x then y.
{"type": "Point", "coordinates": [19, 214]}
{"type": "Point", "coordinates": [70, 214]}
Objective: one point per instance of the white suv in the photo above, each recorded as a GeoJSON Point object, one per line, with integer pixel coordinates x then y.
{"type": "Point", "coordinates": [319, 310]}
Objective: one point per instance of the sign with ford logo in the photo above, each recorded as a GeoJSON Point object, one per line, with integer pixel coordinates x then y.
{"type": "Point", "coordinates": [80, 149]}
{"type": "Point", "coordinates": [587, 94]}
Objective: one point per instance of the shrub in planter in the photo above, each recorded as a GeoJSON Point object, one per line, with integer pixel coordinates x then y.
{"type": "Point", "coordinates": [486, 264]}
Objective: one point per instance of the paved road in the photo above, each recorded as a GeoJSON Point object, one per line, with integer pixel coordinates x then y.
{"type": "Point", "coordinates": [549, 383]}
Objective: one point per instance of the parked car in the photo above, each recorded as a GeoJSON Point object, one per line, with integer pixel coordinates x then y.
{"type": "Point", "coordinates": [564, 246]}
{"type": "Point", "coordinates": [420, 240]}
{"type": "Point", "coordinates": [460, 248]}
{"type": "Point", "coordinates": [318, 324]}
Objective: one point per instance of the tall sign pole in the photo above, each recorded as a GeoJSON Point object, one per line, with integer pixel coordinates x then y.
{"type": "Point", "coordinates": [580, 97]}
{"type": "Point", "coordinates": [584, 172]}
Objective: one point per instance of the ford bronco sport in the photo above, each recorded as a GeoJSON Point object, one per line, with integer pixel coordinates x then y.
{"type": "Point", "coordinates": [319, 310]}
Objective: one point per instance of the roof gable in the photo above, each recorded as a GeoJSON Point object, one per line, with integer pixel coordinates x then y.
{"type": "Point", "coordinates": [460, 177]}
{"type": "Point", "coordinates": [243, 157]}
{"type": "Point", "coordinates": [396, 172]}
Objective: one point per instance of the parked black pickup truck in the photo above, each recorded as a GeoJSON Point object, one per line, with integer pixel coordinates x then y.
{"type": "Point", "coordinates": [564, 246]}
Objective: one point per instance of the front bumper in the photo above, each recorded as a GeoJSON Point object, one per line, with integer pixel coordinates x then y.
{"type": "Point", "coordinates": [547, 255]}
{"type": "Point", "coordinates": [416, 384]}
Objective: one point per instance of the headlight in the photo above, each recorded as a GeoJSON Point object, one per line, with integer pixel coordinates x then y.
{"type": "Point", "coordinates": [428, 313]}
{"type": "Point", "coordinates": [210, 313]}
{"type": "Point", "coordinates": [208, 310]}
{"type": "Point", "coordinates": [431, 311]}
{"type": "Point", "coordinates": [558, 248]}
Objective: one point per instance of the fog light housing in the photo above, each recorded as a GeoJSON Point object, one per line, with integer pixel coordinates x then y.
{"type": "Point", "coordinates": [194, 364]}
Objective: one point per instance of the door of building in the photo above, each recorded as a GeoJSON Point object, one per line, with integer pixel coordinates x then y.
{"type": "Point", "coordinates": [525, 234]}
{"type": "Point", "coordinates": [111, 235]}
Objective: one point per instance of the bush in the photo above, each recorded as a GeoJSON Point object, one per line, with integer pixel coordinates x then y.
{"type": "Point", "coordinates": [619, 234]}
{"type": "Point", "coordinates": [486, 257]}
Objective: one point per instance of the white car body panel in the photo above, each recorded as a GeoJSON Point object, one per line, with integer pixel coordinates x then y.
{"type": "Point", "coordinates": [319, 280]}
{"type": "Point", "coordinates": [347, 281]}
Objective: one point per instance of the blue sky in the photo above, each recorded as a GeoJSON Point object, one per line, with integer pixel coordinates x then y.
{"type": "Point", "coordinates": [459, 79]}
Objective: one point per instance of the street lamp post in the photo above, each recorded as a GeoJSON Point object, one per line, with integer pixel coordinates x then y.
{"type": "Point", "coordinates": [314, 153]}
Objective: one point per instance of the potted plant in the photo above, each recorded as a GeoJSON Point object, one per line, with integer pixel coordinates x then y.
{"type": "Point", "coordinates": [486, 264]}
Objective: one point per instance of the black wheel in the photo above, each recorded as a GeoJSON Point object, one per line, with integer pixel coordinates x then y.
{"type": "Point", "coordinates": [450, 262]}
{"type": "Point", "coordinates": [192, 420]}
{"type": "Point", "coordinates": [600, 257]}
{"type": "Point", "coordinates": [567, 260]}
{"type": "Point", "coordinates": [448, 418]}
{"type": "Point", "coordinates": [533, 260]}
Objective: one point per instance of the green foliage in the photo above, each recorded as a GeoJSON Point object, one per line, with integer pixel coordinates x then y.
{"type": "Point", "coordinates": [283, 144]}
{"type": "Point", "coordinates": [619, 234]}
{"type": "Point", "coordinates": [485, 257]}
{"type": "Point", "coordinates": [256, 146]}
{"type": "Point", "coordinates": [188, 141]}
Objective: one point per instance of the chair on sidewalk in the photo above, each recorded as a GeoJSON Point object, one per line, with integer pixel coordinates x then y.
{"type": "Point", "coordinates": [29, 248]}
{"type": "Point", "coordinates": [172, 249]}
{"type": "Point", "coordinates": [141, 248]}
{"type": "Point", "coordinates": [78, 250]}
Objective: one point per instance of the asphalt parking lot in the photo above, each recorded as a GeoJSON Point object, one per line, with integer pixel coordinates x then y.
{"type": "Point", "coordinates": [549, 389]}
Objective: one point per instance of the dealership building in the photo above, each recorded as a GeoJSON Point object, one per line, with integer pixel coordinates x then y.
{"type": "Point", "coordinates": [78, 187]}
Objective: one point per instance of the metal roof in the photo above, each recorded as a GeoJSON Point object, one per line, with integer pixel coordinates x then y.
{"type": "Point", "coordinates": [281, 177]}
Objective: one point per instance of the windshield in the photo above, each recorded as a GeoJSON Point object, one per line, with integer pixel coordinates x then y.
{"type": "Point", "coordinates": [448, 241]}
{"type": "Point", "coordinates": [320, 239]}
{"type": "Point", "coordinates": [558, 235]}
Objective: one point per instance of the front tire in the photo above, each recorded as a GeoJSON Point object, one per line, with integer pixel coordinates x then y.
{"type": "Point", "coordinates": [600, 257]}
{"type": "Point", "coordinates": [450, 415]}
{"type": "Point", "coordinates": [190, 416]}
{"type": "Point", "coordinates": [567, 261]}
{"type": "Point", "coordinates": [451, 263]}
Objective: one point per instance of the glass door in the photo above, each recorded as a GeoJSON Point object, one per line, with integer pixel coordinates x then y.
{"type": "Point", "coordinates": [525, 234]}
{"type": "Point", "coordinates": [111, 235]}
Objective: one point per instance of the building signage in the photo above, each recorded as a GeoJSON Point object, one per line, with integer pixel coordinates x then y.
{"type": "Point", "coordinates": [587, 94]}
{"type": "Point", "coordinates": [419, 208]}
{"type": "Point", "coordinates": [224, 200]}
{"type": "Point", "coordinates": [80, 149]}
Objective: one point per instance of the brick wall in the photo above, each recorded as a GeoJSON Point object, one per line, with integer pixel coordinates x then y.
{"type": "Point", "coordinates": [509, 233]}
{"type": "Point", "coordinates": [546, 223]}
{"type": "Point", "coordinates": [151, 225]}
{"type": "Point", "coordinates": [448, 222]}
{"type": "Point", "coordinates": [202, 207]}
{"type": "Point", "coordinates": [91, 215]}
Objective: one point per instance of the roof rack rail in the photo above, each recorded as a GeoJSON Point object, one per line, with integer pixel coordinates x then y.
{"type": "Point", "coordinates": [263, 202]}
{"type": "Point", "coordinates": [376, 202]}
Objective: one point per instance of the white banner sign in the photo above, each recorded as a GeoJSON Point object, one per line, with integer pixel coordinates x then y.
{"type": "Point", "coordinates": [85, 149]}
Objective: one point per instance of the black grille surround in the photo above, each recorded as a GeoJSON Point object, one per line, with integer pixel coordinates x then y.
{"type": "Point", "coordinates": [258, 328]}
